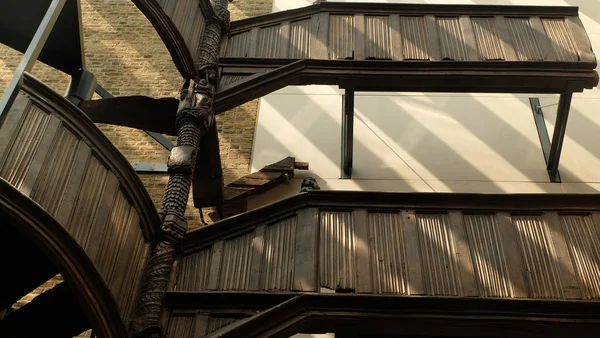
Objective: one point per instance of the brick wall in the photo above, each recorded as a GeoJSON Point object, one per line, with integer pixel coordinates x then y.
{"type": "Point", "coordinates": [128, 58]}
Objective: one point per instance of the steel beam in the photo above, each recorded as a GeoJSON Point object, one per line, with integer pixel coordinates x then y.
{"type": "Point", "coordinates": [347, 132]}
{"type": "Point", "coordinates": [540, 123]}
{"type": "Point", "coordinates": [31, 55]}
{"type": "Point", "coordinates": [560, 127]}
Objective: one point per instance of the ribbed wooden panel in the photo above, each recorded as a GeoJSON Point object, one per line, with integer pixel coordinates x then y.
{"type": "Point", "coordinates": [337, 247]}
{"type": "Point", "coordinates": [229, 79]}
{"type": "Point", "coordinates": [414, 38]}
{"type": "Point", "coordinates": [194, 271]}
{"type": "Point", "coordinates": [300, 39]}
{"type": "Point", "coordinates": [278, 255]}
{"type": "Point", "coordinates": [114, 236]}
{"type": "Point", "coordinates": [238, 45]}
{"type": "Point", "coordinates": [86, 205]}
{"type": "Point", "coordinates": [583, 241]}
{"type": "Point", "coordinates": [181, 327]}
{"type": "Point", "coordinates": [387, 253]}
{"type": "Point", "coordinates": [560, 39]}
{"type": "Point", "coordinates": [378, 41]}
{"type": "Point", "coordinates": [451, 39]}
{"type": "Point", "coordinates": [440, 269]}
{"type": "Point", "coordinates": [487, 37]}
{"type": "Point", "coordinates": [130, 288]}
{"type": "Point", "coordinates": [269, 39]}
{"type": "Point", "coordinates": [523, 39]}
{"type": "Point", "coordinates": [539, 256]}
{"type": "Point", "coordinates": [488, 256]}
{"type": "Point", "coordinates": [341, 37]}
{"type": "Point", "coordinates": [53, 179]}
{"type": "Point", "coordinates": [188, 18]}
{"type": "Point", "coordinates": [24, 144]}
{"type": "Point", "coordinates": [215, 323]}
{"type": "Point", "coordinates": [235, 266]}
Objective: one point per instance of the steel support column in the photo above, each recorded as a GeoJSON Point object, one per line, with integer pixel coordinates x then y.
{"type": "Point", "coordinates": [31, 54]}
{"type": "Point", "coordinates": [560, 127]}
{"type": "Point", "coordinates": [347, 133]}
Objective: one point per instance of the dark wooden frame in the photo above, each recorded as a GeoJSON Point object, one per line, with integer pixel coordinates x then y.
{"type": "Point", "coordinates": [71, 261]}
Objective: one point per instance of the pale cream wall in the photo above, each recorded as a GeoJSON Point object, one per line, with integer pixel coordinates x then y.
{"type": "Point", "coordinates": [438, 142]}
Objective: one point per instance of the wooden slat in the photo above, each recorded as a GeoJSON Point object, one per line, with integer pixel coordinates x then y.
{"type": "Point", "coordinates": [305, 251]}
{"type": "Point", "coordinates": [581, 39]}
{"type": "Point", "coordinates": [258, 246]}
{"type": "Point", "coordinates": [11, 122]}
{"type": "Point", "coordinates": [504, 34]}
{"type": "Point", "coordinates": [542, 39]}
{"type": "Point", "coordinates": [514, 259]}
{"type": "Point", "coordinates": [465, 264]}
{"type": "Point", "coordinates": [469, 38]}
{"type": "Point", "coordinates": [253, 52]}
{"type": "Point", "coordinates": [416, 285]}
{"type": "Point", "coordinates": [75, 179]}
{"type": "Point", "coordinates": [215, 265]}
{"type": "Point", "coordinates": [435, 53]}
{"type": "Point", "coordinates": [40, 156]}
{"type": "Point", "coordinates": [395, 37]}
{"type": "Point", "coordinates": [284, 39]}
{"type": "Point", "coordinates": [319, 35]}
{"type": "Point", "coordinates": [571, 288]}
{"type": "Point", "coordinates": [359, 37]}
{"type": "Point", "coordinates": [363, 270]}
{"type": "Point", "coordinates": [109, 195]}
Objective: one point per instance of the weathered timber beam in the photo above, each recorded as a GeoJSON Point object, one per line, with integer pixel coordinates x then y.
{"type": "Point", "coordinates": [140, 112]}
{"type": "Point", "coordinates": [259, 77]}
{"type": "Point", "coordinates": [54, 313]}
{"type": "Point", "coordinates": [347, 133]}
{"type": "Point", "coordinates": [26, 265]}
{"type": "Point", "coordinates": [540, 124]}
{"type": "Point", "coordinates": [207, 182]}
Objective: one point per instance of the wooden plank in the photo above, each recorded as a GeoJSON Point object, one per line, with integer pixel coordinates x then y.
{"type": "Point", "coordinates": [305, 251]}
{"type": "Point", "coordinates": [200, 326]}
{"type": "Point", "coordinates": [504, 34]}
{"type": "Point", "coordinates": [319, 36]}
{"type": "Point", "coordinates": [253, 52]}
{"type": "Point", "coordinates": [469, 38]}
{"type": "Point", "coordinates": [359, 37]}
{"type": "Point", "coordinates": [75, 179]}
{"type": "Point", "coordinates": [581, 39]}
{"type": "Point", "coordinates": [258, 245]}
{"type": "Point", "coordinates": [396, 37]}
{"type": "Point", "coordinates": [413, 255]}
{"type": "Point", "coordinates": [40, 156]}
{"type": "Point", "coordinates": [11, 122]}
{"type": "Point", "coordinates": [542, 39]}
{"type": "Point", "coordinates": [284, 39]}
{"type": "Point", "coordinates": [363, 262]}
{"type": "Point", "coordinates": [514, 259]}
{"type": "Point", "coordinates": [435, 52]}
{"type": "Point", "coordinates": [96, 234]}
{"type": "Point", "coordinates": [569, 281]}
{"type": "Point", "coordinates": [215, 265]}
{"type": "Point", "coordinates": [463, 255]}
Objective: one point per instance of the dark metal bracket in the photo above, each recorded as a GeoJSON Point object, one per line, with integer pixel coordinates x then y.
{"type": "Point", "coordinates": [144, 167]}
{"type": "Point", "coordinates": [347, 133]}
{"type": "Point", "coordinates": [552, 150]}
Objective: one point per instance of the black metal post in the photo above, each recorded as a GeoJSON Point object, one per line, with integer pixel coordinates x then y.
{"type": "Point", "coordinates": [560, 127]}
{"type": "Point", "coordinates": [347, 133]}
{"type": "Point", "coordinates": [540, 123]}
{"type": "Point", "coordinates": [31, 54]}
